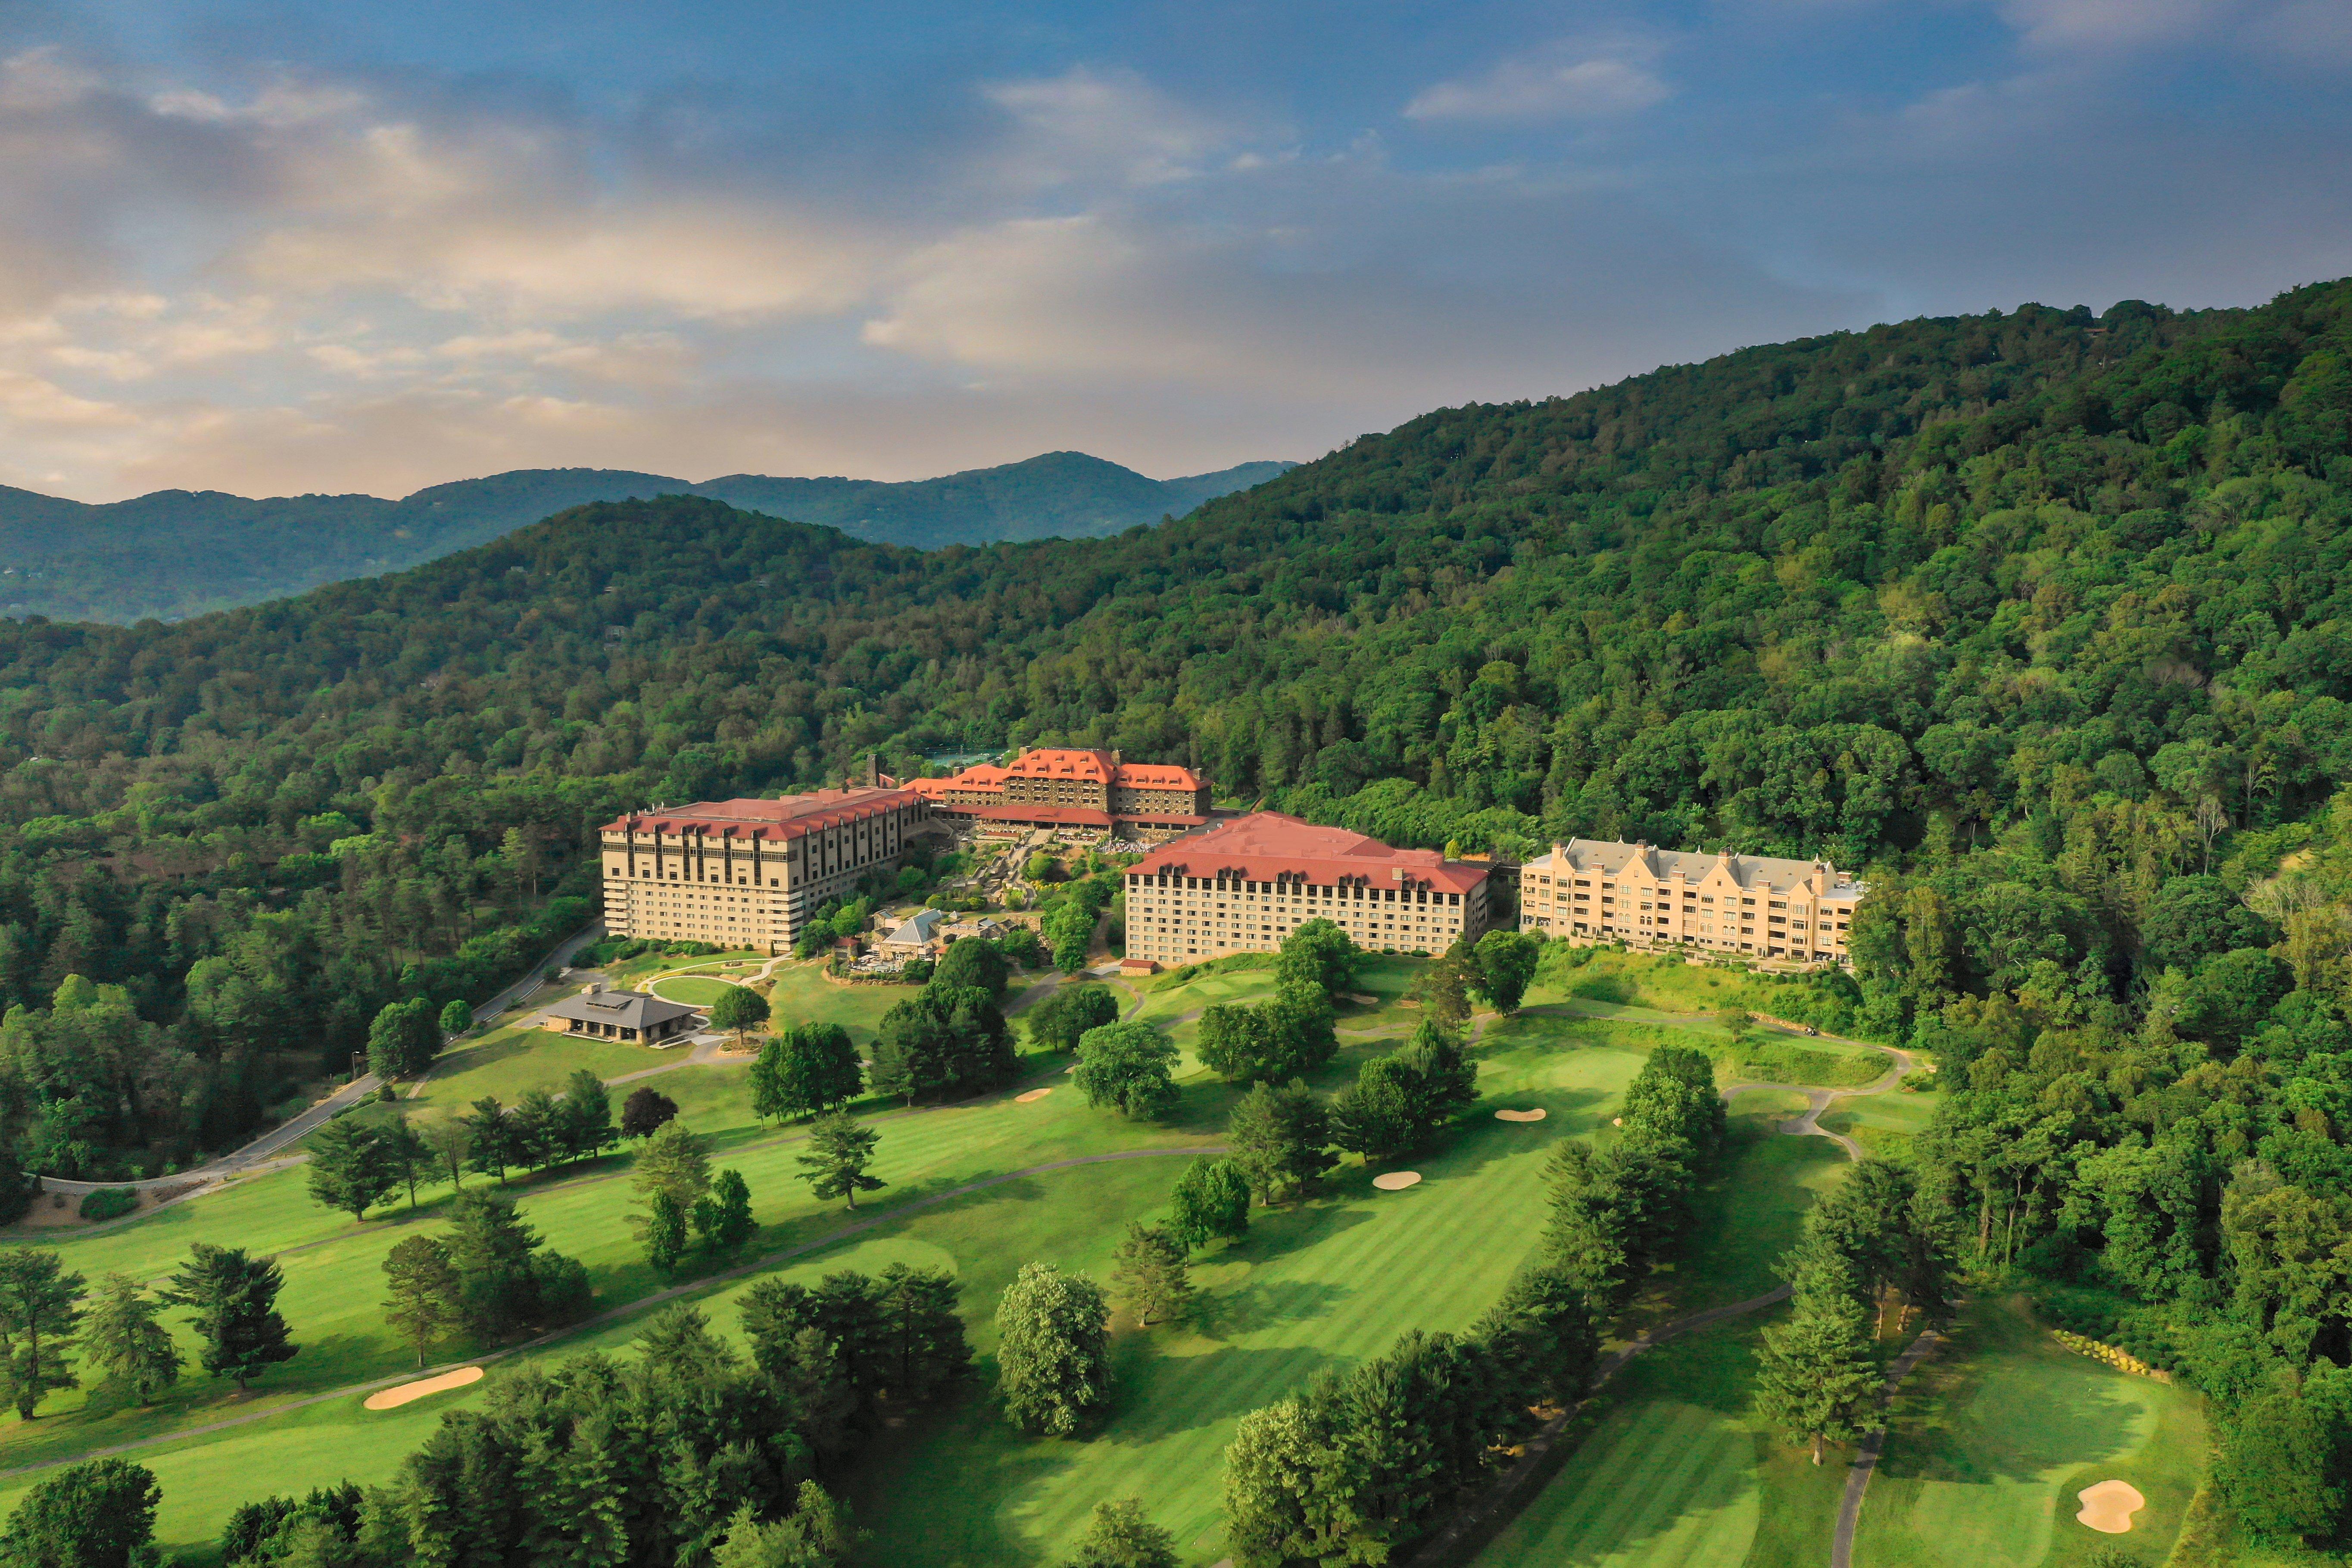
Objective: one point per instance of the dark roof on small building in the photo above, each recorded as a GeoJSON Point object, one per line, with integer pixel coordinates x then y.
{"type": "Point", "coordinates": [620, 1010]}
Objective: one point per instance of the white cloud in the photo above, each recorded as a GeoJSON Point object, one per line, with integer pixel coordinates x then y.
{"type": "Point", "coordinates": [1563, 84]}
{"type": "Point", "coordinates": [1091, 127]}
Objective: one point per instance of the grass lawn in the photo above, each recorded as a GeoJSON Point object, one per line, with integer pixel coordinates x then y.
{"type": "Point", "coordinates": [509, 1062]}
{"type": "Point", "coordinates": [1674, 1472]}
{"type": "Point", "coordinates": [695, 990]}
{"type": "Point", "coordinates": [1993, 1437]}
{"type": "Point", "coordinates": [1885, 1124]}
{"type": "Point", "coordinates": [803, 995]}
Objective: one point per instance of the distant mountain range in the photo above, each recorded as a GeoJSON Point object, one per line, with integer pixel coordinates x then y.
{"type": "Point", "coordinates": [175, 553]}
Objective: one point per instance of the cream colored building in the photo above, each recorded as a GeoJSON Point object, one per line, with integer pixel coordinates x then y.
{"type": "Point", "coordinates": [1584, 891]}
{"type": "Point", "coordinates": [750, 873]}
{"type": "Point", "coordinates": [1244, 885]}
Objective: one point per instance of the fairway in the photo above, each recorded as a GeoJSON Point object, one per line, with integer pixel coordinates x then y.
{"type": "Point", "coordinates": [1993, 1439]}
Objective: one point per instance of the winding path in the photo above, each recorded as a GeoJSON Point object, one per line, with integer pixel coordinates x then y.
{"type": "Point", "coordinates": [1865, 1458]}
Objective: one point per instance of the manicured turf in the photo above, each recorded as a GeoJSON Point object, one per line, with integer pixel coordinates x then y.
{"type": "Point", "coordinates": [801, 995]}
{"type": "Point", "coordinates": [695, 990]}
{"type": "Point", "coordinates": [1883, 1124]}
{"type": "Point", "coordinates": [506, 1063]}
{"type": "Point", "coordinates": [1997, 1434]}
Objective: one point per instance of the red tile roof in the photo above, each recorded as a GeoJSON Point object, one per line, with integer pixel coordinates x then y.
{"type": "Point", "coordinates": [794, 816]}
{"type": "Point", "coordinates": [1268, 846]}
{"type": "Point", "coordinates": [1070, 764]}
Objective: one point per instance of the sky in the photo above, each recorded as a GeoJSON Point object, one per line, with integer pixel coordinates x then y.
{"type": "Point", "coordinates": [274, 248]}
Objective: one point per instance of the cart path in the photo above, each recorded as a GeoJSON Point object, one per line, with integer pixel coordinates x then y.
{"type": "Point", "coordinates": [1865, 1458]}
{"type": "Point", "coordinates": [616, 1314]}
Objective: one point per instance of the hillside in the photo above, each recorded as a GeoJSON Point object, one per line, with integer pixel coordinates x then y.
{"type": "Point", "coordinates": [174, 553]}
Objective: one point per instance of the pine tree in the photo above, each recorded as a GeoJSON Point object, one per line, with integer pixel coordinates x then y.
{"type": "Point", "coordinates": [664, 1231]}
{"type": "Point", "coordinates": [1211, 1199]}
{"type": "Point", "coordinates": [676, 1161]}
{"type": "Point", "coordinates": [586, 1116]}
{"type": "Point", "coordinates": [1152, 1278]}
{"type": "Point", "coordinates": [1280, 1139]}
{"type": "Point", "coordinates": [351, 1167]}
{"type": "Point", "coordinates": [1816, 1379]}
{"type": "Point", "coordinates": [121, 1341]}
{"type": "Point", "coordinates": [839, 1149]}
{"type": "Point", "coordinates": [235, 1302]}
{"type": "Point", "coordinates": [39, 1312]}
{"type": "Point", "coordinates": [724, 1218]}
{"type": "Point", "coordinates": [101, 1514]}
{"type": "Point", "coordinates": [427, 1300]}
{"type": "Point", "coordinates": [1053, 1352]}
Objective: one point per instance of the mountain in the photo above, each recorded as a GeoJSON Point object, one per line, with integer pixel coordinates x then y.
{"type": "Point", "coordinates": [174, 554]}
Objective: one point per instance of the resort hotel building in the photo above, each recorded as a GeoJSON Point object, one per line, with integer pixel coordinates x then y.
{"type": "Point", "coordinates": [1248, 882]}
{"type": "Point", "coordinates": [1061, 787]}
{"type": "Point", "coordinates": [1585, 891]}
{"type": "Point", "coordinates": [750, 873]}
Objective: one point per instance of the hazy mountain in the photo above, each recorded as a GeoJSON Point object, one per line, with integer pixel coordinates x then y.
{"type": "Point", "coordinates": [174, 553]}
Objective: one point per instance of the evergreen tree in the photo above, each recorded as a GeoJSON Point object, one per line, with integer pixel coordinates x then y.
{"type": "Point", "coordinates": [1444, 988]}
{"type": "Point", "coordinates": [451, 1141]}
{"type": "Point", "coordinates": [493, 1140]}
{"type": "Point", "coordinates": [676, 1161]}
{"type": "Point", "coordinates": [1128, 1065]}
{"type": "Point", "coordinates": [724, 1218]}
{"type": "Point", "coordinates": [817, 1533]}
{"type": "Point", "coordinates": [1052, 1353]}
{"type": "Point", "coordinates": [1153, 1276]}
{"type": "Point", "coordinates": [235, 1299]}
{"type": "Point", "coordinates": [101, 1514]}
{"type": "Point", "coordinates": [585, 1122]}
{"type": "Point", "coordinates": [17, 1187]}
{"type": "Point", "coordinates": [536, 1129]}
{"type": "Point", "coordinates": [427, 1297]}
{"type": "Point", "coordinates": [1377, 1115]}
{"type": "Point", "coordinates": [774, 1095]}
{"type": "Point", "coordinates": [664, 1231]}
{"type": "Point", "coordinates": [1121, 1535]}
{"type": "Point", "coordinates": [405, 1154]}
{"type": "Point", "coordinates": [1211, 1199]}
{"type": "Point", "coordinates": [123, 1343]}
{"type": "Point", "coordinates": [1280, 1140]}
{"type": "Point", "coordinates": [1815, 1377]}
{"type": "Point", "coordinates": [840, 1148]}
{"type": "Point", "coordinates": [920, 1332]}
{"type": "Point", "coordinates": [40, 1311]}
{"type": "Point", "coordinates": [494, 1252]}
{"type": "Point", "coordinates": [352, 1168]}
{"type": "Point", "coordinates": [645, 1111]}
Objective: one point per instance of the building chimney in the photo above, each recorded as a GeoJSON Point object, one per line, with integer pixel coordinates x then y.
{"type": "Point", "coordinates": [873, 769]}
{"type": "Point", "coordinates": [1114, 756]}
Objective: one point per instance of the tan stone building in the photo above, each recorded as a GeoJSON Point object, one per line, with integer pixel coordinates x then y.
{"type": "Point", "coordinates": [1245, 884]}
{"type": "Point", "coordinates": [750, 873]}
{"type": "Point", "coordinates": [1052, 786]}
{"type": "Point", "coordinates": [1585, 891]}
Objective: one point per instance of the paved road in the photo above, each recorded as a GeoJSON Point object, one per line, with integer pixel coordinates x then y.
{"type": "Point", "coordinates": [1865, 1458]}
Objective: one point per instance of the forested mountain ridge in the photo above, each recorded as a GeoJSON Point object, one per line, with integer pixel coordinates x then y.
{"type": "Point", "coordinates": [2037, 583]}
{"type": "Point", "coordinates": [174, 554]}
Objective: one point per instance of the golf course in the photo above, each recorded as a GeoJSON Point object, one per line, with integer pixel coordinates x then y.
{"type": "Point", "coordinates": [1666, 1464]}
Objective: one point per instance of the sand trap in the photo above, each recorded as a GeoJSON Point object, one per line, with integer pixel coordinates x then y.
{"type": "Point", "coordinates": [394, 1398]}
{"type": "Point", "coordinates": [1518, 1116]}
{"type": "Point", "coordinates": [1616, 1122]}
{"type": "Point", "coordinates": [1033, 1094]}
{"type": "Point", "coordinates": [2107, 1508]}
{"type": "Point", "coordinates": [1397, 1181]}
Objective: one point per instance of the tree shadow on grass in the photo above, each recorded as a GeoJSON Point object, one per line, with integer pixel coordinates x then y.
{"type": "Point", "coordinates": [1221, 1386]}
{"type": "Point", "coordinates": [1260, 1304]}
{"type": "Point", "coordinates": [1995, 1406]}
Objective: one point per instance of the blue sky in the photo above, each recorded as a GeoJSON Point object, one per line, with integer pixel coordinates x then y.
{"type": "Point", "coordinates": [274, 248]}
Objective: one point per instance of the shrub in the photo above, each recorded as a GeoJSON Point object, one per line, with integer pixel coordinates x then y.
{"type": "Point", "coordinates": [110, 1203]}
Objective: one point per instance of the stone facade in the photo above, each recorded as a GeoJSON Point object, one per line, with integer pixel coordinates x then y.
{"type": "Point", "coordinates": [1584, 891]}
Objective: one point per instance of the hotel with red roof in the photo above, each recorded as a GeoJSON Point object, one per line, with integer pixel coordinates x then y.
{"type": "Point", "coordinates": [1069, 787]}
{"type": "Point", "coordinates": [1245, 884]}
{"type": "Point", "coordinates": [749, 873]}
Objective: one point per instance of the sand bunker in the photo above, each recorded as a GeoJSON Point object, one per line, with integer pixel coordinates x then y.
{"type": "Point", "coordinates": [2107, 1508]}
{"type": "Point", "coordinates": [394, 1398]}
{"type": "Point", "coordinates": [1518, 1116]}
{"type": "Point", "coordinates": [1033, 1094]}
{"type": "Point", "coordinates": [1397, 1181]}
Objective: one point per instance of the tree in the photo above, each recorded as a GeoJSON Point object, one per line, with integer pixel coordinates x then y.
{"type": "Point", "coordinates": [1211, 1199]}
{"type": "Point", "coordinates": [664, 1231]}
{"type": "Point", "coordinates": [1153, 1276]}
{"type": "Point", "coordinates": [1378, 1115]}
{"type": "Point", "coordinates": [1056, 1023]}
{"type": "Point", "coordinates": [972, 962]}
{"type": "Point", "coordinates": [1736, 1021]}
{"type": "Point", "coordinates": [505, 1280]}
{"type": "Point", "coordinates": [1318, 953]}
{"type": "Point", "coordinates": [536, 1128]}
{"type": "Point", "coordinates": [839, 1149]}
{"type": "Point", "coordinates": [39, 1312]}
{"type": "Point", "coordinates": [406, 1156]}
{"type": "Point", "coordinates": [1290, 1034]}
{"type": "Point", "coordinates": [816, 1534]}
{"type": "Point", "coordinates": [1815, 1378]}
{"type": "Point", "coordinates": [1121, 1535]}
{"type": "Point", "coordinates": [676, 1161]}
{"type": "Point", "coordinates": [121, 1341]}
{"type": "Point", "coordinates": [101, 1514]}
{"type": "Point", "coordinates": [643, 1114]}
{"type": "Point", "coordinates": [1505, 962]}
{"type": "Point", "coordinates": [456, 1015]}
{"type": "Point", "coordinates": [775, 1094]}
{"type": "Point", "coordinates": [1446, 1081]}
{"type": "Point", "coordinates": [404, 1039]}
{"type": "Point", "coordinates": [2191, 918]}
{"type": "Point", "coordinates": [584, 1120]}
{"type": "Point", "coordinates": [807, 1070]}
{"type": "Point", "coordinates": [1280, 1139]}
{"type": "Point", "coordinates": [17, 1187]}
{"type": "Point", "coordinates": [451, 1141]}
{"type": "Point", "coordinates": [1128, 1065]}
{"type": "Point", "coordinates": [1444, 988]}
{"type": "Point", "coordinates": [724, 1218]}
{"type": "Point", "coordinates": [1052, 1353]}
{"type": "Point", "coordinates": [235, 1299]}
{"type": "Point", "coordinates": [428, 1297]}
{"type": "Point", "coordinates": [492, 1139]}
{"type": "Point", "coordinates": [2280, 1469]}
{"type": "Point", "coordinates": [350, 1166]}
{"type": "Point", "coordinates": [739, 1011]}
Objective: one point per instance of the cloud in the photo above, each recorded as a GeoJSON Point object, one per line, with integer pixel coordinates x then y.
{"type": "Point", "coordinates": [1565, 83]}
{"type": "Point", "coordinates": [1091, 127]}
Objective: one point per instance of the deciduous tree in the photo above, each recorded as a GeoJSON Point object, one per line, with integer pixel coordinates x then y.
{"type": "Point", "coordinates": [1052, 1353]}
{"type": "Point", "coordinates": [1153, 1276]}
{"type": "Point", "coordinates": [645, 1111]}
{"type": "Point", "coordinates": [99, 1514]}
{"type": "Point", "coordinates": [1128, 1065]}
{"type": "Point", "coordinates": [1211, 1199]}
{"type": "Point", "coordinates": [1121, 1535]}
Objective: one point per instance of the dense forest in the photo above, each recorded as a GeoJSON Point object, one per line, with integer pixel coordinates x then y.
{"type": "Point", "coordinates": [174, 553]}
{"type": "Point", "coordinates": [2041, 619]}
